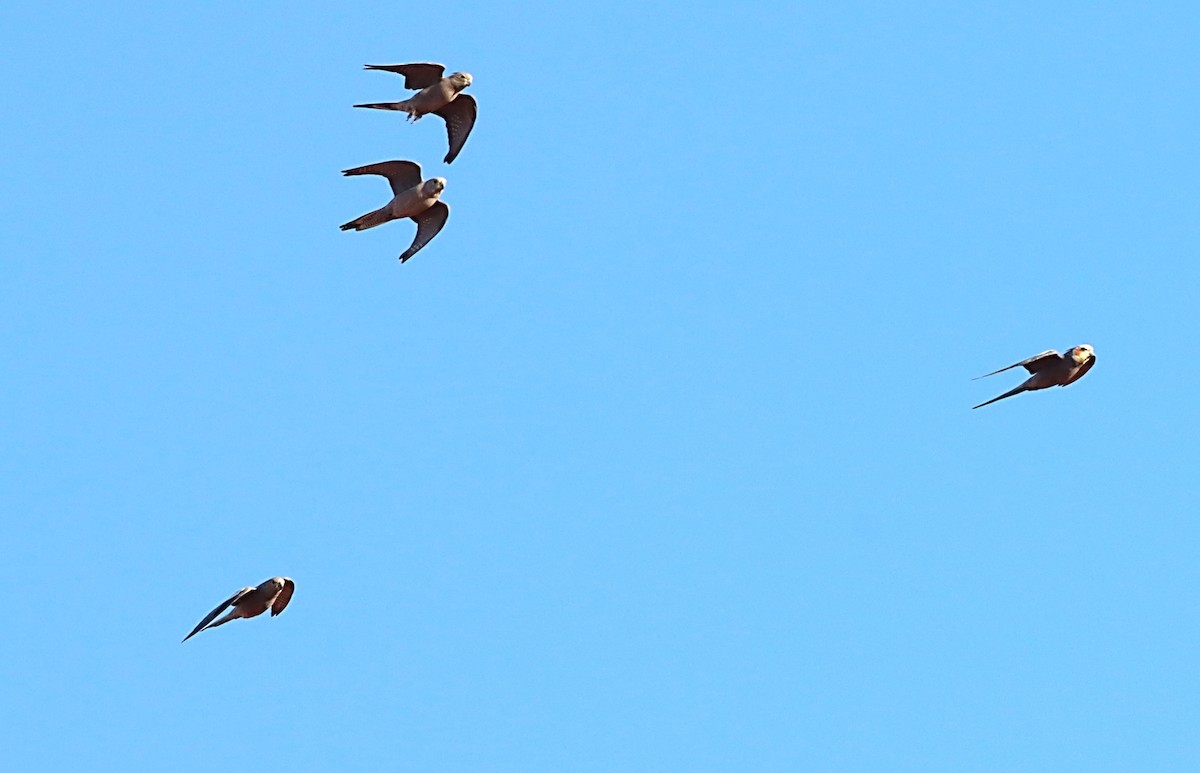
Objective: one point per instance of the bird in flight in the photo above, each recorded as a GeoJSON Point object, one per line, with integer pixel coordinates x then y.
{"type": "Point", "coordinates": [440, 95]}
{"type": "Point", "coordinates": [1049, 369]}
{"type": "Point", "coordinates": [274, 594]}
{"type": "Point", "coordinates": [411, 198]}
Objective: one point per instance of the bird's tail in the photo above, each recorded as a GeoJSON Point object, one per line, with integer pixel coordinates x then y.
{"type": "Point", "coordinates": [1009, 393]}
{"type": "Point", "coordinates": [384, 105]}
{"type": "Point", "coordinates": [369, 220]}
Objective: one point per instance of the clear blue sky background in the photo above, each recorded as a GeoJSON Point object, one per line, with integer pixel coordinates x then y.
{"type": "Point", "coordinates": [660, 457]}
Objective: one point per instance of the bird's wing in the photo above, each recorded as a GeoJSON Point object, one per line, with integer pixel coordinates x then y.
{"type": "Point", "coordinates": [416, 76]}
{"type": "Point", "coordinates": [429, 223]}
{"type": "Point", "coordinates": [213, 614]}
{"type": "Point", "coordinates": [1084, 368]}
{"type": "Point", "coordinates": [1033, 364]}
{"type": "Point", "coordinates": [1009, 393]}
{"type": "Point", "coordinates": [285, 595]}
{"type": "Point", "coordinates": [401, 174]}
{"type": "Point", "coordinates": [460, 119]}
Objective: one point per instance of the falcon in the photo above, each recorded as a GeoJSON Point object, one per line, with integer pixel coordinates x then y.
{"type": "Point", "coordinates": [274, 594]}
{"type": "Point", "coordinates": [411, 198]}
{"type": "Point", "coordinates": [440, 95]}
{"type": "Point", "coordinates": [1049, 369]}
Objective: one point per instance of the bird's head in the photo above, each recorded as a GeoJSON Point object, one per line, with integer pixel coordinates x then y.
{"type": "Point", "coordinates": [1082, 353]}
{"type": "Point", "coordinates": [460, 80]}
{"type": "Point", "coordinates": [434, 186]}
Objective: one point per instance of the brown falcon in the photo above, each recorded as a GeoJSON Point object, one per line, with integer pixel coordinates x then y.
{"type": "Point", "coordinates": [1049, 369]}
{"type": "Point", "coordinates": [441, 95]}
{"type": "Point", "coordinates": [273, 594]}
{"type": "Point", "coordinates": [411, 198]}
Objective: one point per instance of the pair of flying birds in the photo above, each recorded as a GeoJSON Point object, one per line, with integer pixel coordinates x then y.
{"type": "Point", "coordinates": [1046, 370]}
{"type": "Point", "coordinates": [413, 197]}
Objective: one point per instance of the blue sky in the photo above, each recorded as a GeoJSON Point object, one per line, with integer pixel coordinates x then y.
{"type": "Point", "coordinates": [660, 456]}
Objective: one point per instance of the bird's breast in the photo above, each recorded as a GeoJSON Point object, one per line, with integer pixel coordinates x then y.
{"type": "Point", "coordinates": [410, 203]}
{"type": "Point", "coordinates": [434, 97]}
